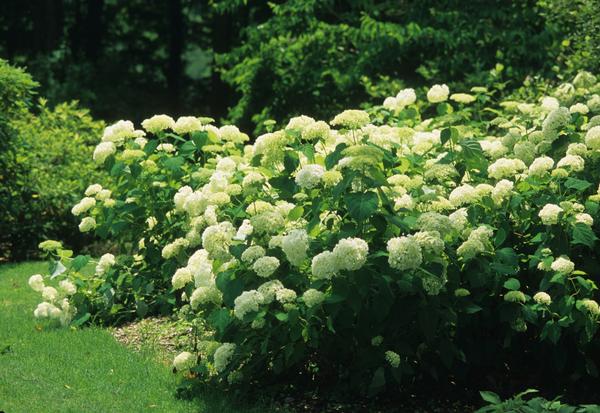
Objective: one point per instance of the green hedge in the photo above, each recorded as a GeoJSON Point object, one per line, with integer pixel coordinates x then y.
{"type": "Point", "coordinates": [43, 156]}
{"type": "Point", "coordinates": [318, 57]}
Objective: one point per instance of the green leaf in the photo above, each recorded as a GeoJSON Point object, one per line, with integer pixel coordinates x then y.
{"type": "Point", "coordinates": [592, 207]}
{"type": "Point", "coordinates": [174, 164]}
{"type": "Point", "coordinates": [117, 168]}
{"type": "Point", "coordinates": [551, 331]}
{"type": "Point", "coordinates": [200, 138]}
{"type": "Point", "coordinates": [285, 185]}
{"type": "Point", "coordinates": [335, 298]}
{"type": "Point", "coordinates": [59, 268]}
{"type": "Point", "coordinates": [471, 148]}
{"type": "Point", "coordinates": [230, 286]}
{"type": "Point", "coordinates": [449, 134]}
{"type": "Point", "coordinates": [512, 284]}
{"type": "Point", "coordinates": [583, 235]}
{"type": "Point", "coordinates": [291, 161]}
{"type": "Point", "coordinates": [500, 237]}
{"type": "Point", "coordinates": [490, 397]}
{"type": "Point", "coordinates": [361, 205]}
{"type": "Point", "coordinates": [220, 319]}
{"type": "Point", "coordinates": [342, 185]}
{"type": "Point", "coordinates": [80, 320]}
{"type": "Point", "coordinates": [187, 148]}
{"type": "Point", "coordinates": [309, 151]}
{"type": "Point", "coordinates": [472, 309]}
{"type": "Point", "coordinates": [377, 382]}
{"type": "Point", "coordinates": [151, 146]}
{"type": "Point", "coordinates": [333, 158]}
{"type": "Point", "coordinates": [281, 316]}
{"type": "Point", "coordinates": [296, 213]}
{"type": "Point", "coordinates": [578, 184]}
{"type": "Point", "coordinates": [79, 262]}
{"type": "Point", "coordinates": [141, 308]}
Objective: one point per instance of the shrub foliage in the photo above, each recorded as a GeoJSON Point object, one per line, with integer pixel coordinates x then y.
{"type": "Point", "coordinates": [421, 238]}
{"type": "Point", "coordinates": [44, 153]}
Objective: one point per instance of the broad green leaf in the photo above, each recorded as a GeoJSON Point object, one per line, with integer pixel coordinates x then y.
{"type": "Point", "coordinates": [512, 284]}
{"type": "Point", "coordinates": [81, 319]}
{"type": "Point", "coordinates": [449, 134]}
{"type": "Point", "coordinates": [174, 164]}
{"type": "Point", "coordinates": [361, 205]}
{"type": "Point", "coordinates": [281, 316]}
{"type": "Point", "coordinates": [187, 148]}
{"type": "Point", "coordinates": [296, 213]}
{"type": "Point", "coordinates": [285, 185]}
{"type": "Point", "coordinates": [141, 308]}
{"type": "Point", "coordinates": [377, 382]}
{"type": "Point", "coordinates": [579, 184]}
{"type": "Point", "coordinates": [332, 159]}
{"type": "Point", "coordinates": [79, 262]}
{"type": "Point", "coordinates": [291, 161]}
{"type": "Point", "coordinates": [200, 138]}
{"type": "Point", "coordinates": [583, 235]}
{"type": "Point", "coordinates": [490, 397]}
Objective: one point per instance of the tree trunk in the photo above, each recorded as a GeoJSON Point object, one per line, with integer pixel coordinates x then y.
{"type": "Point", "coordinates": [175, 64]}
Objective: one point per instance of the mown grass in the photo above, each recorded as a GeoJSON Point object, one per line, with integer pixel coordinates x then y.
{"type": "Point", "coordinates": [86, 370]}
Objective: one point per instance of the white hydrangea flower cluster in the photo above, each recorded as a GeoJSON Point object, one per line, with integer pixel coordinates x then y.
{"type": "Point", "coordinates": [253, 253]}
{"type": "Point", "coordinates": [592, 138]}
{"type": "Point", "coordinates": [83, 206]}
{"type": "Point", "coordinates": [540, 166]}
{"type": "Point", "coordinates": [591, 306]}
{"type": "Point", "coordinates": [549, 214]}
{"type": "Point", "coordinates": [542, 298]}
{"type": "Point", "coordinates": [502, 191]}
{"type": "Point", "coordinates": [223, 356]}
{"type": "Point", "coordinates": [563, 265]}
{"type": "Point", "coordinates": [265, 266]}
{"type": "Point", "coordinates": [187, 124]}
{"type": "Point", "coordinates": [506, 168]}
{"type": "Point", "coordinates": [313, 297]}
{"type": "Point", "coordinates": [174, 248]}
{"type": "Point", "coordinates": [351, 119]}
{"type": "Point", "coordinates": [184, 361]}
{"type": "Point", "coordinates": [438, 93]}
{"type": "Point", "coordinates": [56, 305]}
{"type": "Point", "coordinates": [247, 302]}
{"type": "Point", "coordinates": [158, 123]}
{"type": "Point", "coordinates": [477, 243]}
{"type": "Point", "coordinates": [324, 265]}
{"type": "Point", "coordinates": [553, 123]}
{"type": "Point", "coordinates": [573, 162]}
{"type": "Point", "coordinates": [294, 245]}
{"type": "Point", "coordinates": [310, 176]}
{"type": "Point", "coordinates": [350, 253]}
{"type": "Point", "coordinates": [105, 262]}
{"type": "Point", "coordinates": [404, 253]}
{"type": "Point", "coordinates": [217, 238]}
{"type": "Point", "coordinates": [87, 224]}
{"type": "Point", "coordinates": [404, 98]}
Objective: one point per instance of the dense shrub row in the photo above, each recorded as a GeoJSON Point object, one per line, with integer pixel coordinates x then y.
{"type": "Point", "coordinates": [44, 153]}
{"type": "Point", "coordinates": [318, 57]}
{"type": "Point", "coordinates": [429, 236]}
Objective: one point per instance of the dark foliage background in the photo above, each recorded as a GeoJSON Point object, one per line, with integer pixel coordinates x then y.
{"type": "Point", "coordinates": [250, 61]}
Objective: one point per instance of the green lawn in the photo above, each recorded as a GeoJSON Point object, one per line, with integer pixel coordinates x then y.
{"type": "Point", "coordinates": [62, 370]}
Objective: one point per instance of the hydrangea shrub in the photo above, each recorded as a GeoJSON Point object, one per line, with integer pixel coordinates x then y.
{"type": "Point", "coordinates": [410, 240]}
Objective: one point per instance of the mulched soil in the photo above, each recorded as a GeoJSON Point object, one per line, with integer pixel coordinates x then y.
{"type": "Point", "coordinates": [166, 337]}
